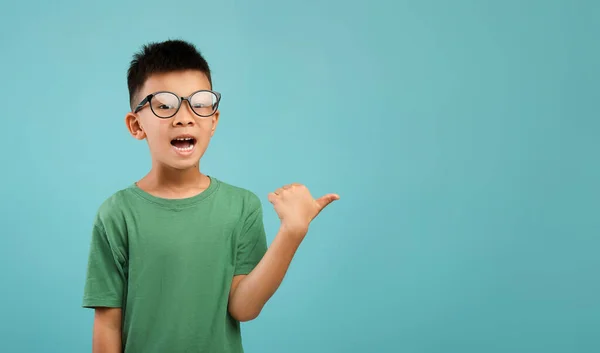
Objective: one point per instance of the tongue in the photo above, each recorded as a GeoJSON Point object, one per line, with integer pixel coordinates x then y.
{"type": "Point", "coordinates": [181, 144]}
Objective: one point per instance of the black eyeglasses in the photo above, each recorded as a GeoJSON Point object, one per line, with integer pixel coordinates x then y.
{"type": "Point", "coordinates": [164, 104]}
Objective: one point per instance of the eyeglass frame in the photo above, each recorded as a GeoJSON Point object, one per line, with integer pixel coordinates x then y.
{"type": "Point", "coordinates": [149, 97]}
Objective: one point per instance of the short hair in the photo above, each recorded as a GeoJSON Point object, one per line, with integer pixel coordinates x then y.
{"type": "Point", "coordinates": [163, 57]}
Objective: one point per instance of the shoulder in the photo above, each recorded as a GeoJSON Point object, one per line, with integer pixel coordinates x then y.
{"type": "Point", "coordinates": [240, 195]}
{"type": "Point", "coordinates": [237, 192]}
{"type": "Point", "coordinates": [111, 209]}
{"type": "Point", "coordinates": [110, 225]}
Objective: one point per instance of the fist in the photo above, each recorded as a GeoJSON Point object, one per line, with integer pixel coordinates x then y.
{"type": "Point", "coordinates": [296, 207]}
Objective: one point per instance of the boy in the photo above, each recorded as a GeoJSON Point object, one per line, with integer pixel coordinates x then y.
{"type": "Point", "coordinates": [179, 258]}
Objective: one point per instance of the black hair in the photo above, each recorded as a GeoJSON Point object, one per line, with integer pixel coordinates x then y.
{"type": "Point", "coordinates": [163, 57]}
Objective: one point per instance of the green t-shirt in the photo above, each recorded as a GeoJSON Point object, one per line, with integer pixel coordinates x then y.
{"type": "Point", "coordinates": [169, 263]}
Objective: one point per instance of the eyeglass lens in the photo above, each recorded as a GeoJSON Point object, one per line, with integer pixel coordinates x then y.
{"type": "Point", "coordinates": [165, 104]}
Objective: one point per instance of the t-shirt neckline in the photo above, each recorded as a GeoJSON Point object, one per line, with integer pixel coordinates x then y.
{"type": "Point", "coordinates": [178, 203]}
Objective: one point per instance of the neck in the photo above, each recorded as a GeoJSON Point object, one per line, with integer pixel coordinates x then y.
{"type": "Point", "coordinates": [168, 182]}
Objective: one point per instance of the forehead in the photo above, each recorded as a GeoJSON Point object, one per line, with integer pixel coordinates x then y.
{"type": "Point", "coordinates": [182, 83]}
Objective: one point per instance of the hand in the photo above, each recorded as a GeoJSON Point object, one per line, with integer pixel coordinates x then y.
{"type": "Point", "coordinates": [296, 208]}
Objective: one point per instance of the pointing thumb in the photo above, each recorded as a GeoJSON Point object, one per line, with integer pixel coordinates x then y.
{"type": "Point", "coordinates": [323, 201]}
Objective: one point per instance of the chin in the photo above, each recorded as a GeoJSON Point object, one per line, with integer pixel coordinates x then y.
{"type": "Point", "coordinates": [183, 165]}
{"type": "Point", "coordinates": [179, 164]}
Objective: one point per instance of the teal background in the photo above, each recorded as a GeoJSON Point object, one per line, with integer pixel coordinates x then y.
{"type": "Point", "coordinates": [462, 137]}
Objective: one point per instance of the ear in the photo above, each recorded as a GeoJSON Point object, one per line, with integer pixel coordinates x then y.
{"type": "Point", "coordinates": [134, 126]}
{"type": "Point", "coordinates": [215, 122]}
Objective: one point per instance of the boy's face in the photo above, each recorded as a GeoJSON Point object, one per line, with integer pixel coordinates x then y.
{"type": "Point", "coordinates": [179, 141]}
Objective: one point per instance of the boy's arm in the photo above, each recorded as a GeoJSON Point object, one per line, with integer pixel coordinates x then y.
{"type": "Point", "coordinates": [296, 209]}
{"type": "Point", "coordinates": [107, 330]}
{"type": "Point", "coordinates": [249, 293]}
{"type": "Point", "coordinates": [104, 285]}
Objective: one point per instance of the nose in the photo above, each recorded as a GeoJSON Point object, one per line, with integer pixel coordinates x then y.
{"type": "Point", "coordinates": [184, 117]}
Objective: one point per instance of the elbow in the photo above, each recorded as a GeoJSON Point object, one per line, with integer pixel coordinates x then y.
{"type": "Point", "coordinates": [246, 318]}
{"type": "Point", "coordinates": [246, 315]}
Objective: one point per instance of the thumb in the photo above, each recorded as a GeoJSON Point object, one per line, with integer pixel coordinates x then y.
{"type": "Point", "coordinates": [323, 201]}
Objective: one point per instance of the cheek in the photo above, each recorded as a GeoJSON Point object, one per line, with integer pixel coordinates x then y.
{"type": "Point", "coordinates": [206, 128]}
{"type": "Point", "coordinates": [155, 133]}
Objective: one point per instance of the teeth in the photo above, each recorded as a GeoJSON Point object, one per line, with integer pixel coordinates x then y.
{"type": "Point", "coordinates": [185, 149]}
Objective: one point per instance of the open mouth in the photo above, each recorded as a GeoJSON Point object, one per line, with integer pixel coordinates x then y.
{"type": "Point", "coordinates": [183, 144]}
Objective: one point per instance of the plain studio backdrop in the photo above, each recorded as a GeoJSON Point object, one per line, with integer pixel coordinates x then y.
{"type": "Point", "coordinates": [462, 137]}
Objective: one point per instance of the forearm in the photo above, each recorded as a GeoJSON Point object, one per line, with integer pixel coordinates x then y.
{"type": "Point", "coordinates": [253, 292]}
{"type": "Point", "coordinates": [107, 332]}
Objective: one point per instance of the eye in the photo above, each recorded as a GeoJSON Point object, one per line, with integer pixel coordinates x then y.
{"type": "Point", "coordinates": [165, 101]}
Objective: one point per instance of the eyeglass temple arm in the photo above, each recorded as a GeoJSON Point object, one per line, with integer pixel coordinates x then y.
{"type": "Point", "coordinates": [142, 103]}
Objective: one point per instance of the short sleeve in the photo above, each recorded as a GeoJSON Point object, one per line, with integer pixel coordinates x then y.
{"type": "Point", "coordinates": [252, 242]}
{"type": "Point", "coordinates": [106, 272]}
